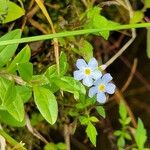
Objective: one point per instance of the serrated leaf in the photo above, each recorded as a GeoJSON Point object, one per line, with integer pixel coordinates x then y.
{"type": "Point", "coordinates": [22, 57]}
{"type": "Point", "coordinates": [7, 51]}
{"type": "Point", "coordinates": [91, 133]}
{"type": "Point", "coordinates": [122, 111]}
{"type": "Point", "coordinates": [14, 12]}
{"type": "Point", "coordinates": [101, 111]}
{"type": "Point", "coordinates": [46, 103]}
{"type": "Point", "coordinates": [140, 135]}
{"type": "Point", "coordinates": [84, 120]}
{"type": "Point", "coordinates": [25, 70]}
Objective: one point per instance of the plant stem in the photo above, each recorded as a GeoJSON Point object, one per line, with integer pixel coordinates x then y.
{"type": "Point", "coordinates": [73, 33]}
{"type": "Point", "coordinates": [11, 141]}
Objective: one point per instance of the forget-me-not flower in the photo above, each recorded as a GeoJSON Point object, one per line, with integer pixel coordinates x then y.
{"type": "Point", "coordinates": [101, 87]}
{"type": "Point", "coordinates": [87, 71]}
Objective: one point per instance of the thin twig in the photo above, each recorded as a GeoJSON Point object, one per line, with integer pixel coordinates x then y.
{"type": "Point", "coordinates": [119, 53]}
{"type": "Point", "coordinates": [37, 25]}
{"type": "Point", "coordinates": [2, 141]}
{"type": "Point", "coordinates": [128, 7]}
{"type": "Point", "coordinates": [34, 131]}
{"type": "Point", "coordinates": [67, 135]}
{"type": "Point", "coordinates": [12, 141]}
{"type": "Point", "coordinates": [55, 40]}
{"type": "Point", "coordinates": [133, 69]}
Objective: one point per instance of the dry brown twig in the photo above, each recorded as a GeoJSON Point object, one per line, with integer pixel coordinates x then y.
{"type": "Point", "coordinates": [133, 69]}
{"type": "Point", "coordinates": [33, 131]}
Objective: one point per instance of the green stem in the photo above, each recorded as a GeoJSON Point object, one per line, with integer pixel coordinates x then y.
{"type": "Point", "coordinates": [11, 141]}
{"type": "Point", "coordinates": [73, 33]}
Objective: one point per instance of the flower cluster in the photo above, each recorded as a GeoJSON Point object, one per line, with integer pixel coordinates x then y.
{"type": "Point", "coordinates": [92, 77]}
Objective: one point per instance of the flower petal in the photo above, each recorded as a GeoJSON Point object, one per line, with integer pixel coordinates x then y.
{"type": "Point", "coordinates": [96, 74]}
{"type": "Point", "coordinates": [101, 97]}
{"type": "Point", "coordinates": [93, 63]}
{"type": "Point", "coordinates": [78, 75]}
{"type": "Point", "coordinates": [81, 64]}
{"type": "Point", "coordinates": [98, 81]}
{"type": "Point", "coordinates": [110, 88]}
{"type": "Point", "coordinates": [107, 77]}
{"type": "Point", "coordinates": [88, 81]}
{"type": "Point", "coordinates": [92, 91]}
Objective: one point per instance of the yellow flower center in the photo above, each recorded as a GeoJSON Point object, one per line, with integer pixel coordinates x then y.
{"type": "Point", "coordinates": [87, 71]}
{"type": "Point", "coordinates": [101, 87]}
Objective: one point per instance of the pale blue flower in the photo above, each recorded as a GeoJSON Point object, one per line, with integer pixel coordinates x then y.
{"type": "Point", "coordinates": [101, 87]}
{"type": "Point", "coordinates": [87, 71]}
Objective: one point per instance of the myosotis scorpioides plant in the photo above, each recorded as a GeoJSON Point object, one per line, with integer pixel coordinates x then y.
{"type": "Point", "coordinates": [95, 86]}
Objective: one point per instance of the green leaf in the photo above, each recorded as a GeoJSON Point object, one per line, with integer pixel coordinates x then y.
{"type": "Point", "coordinates": [84, 120]}
{"type": "Point", "coordinates": [7, 91]}
{"type": "Point", "coordinates": [61, 146]}
{"type": "Point", "coordinates": [3, 10]}
{"type": "Point", "coordinates": [121, 142]}
{"type": "Point", "coordinates": [39, 80]}
{"type": "Point", "coordinates": [122, 111]}
{"type": "Point", "coordinates": [101, 111]}
{"type": "Point", "coordinates": [24, 92]}
{"type": "Point", "coordinates": [46, 103]}
{"type": "Point", "coordinates": [91, 133]}
{"type": "Point", "coordinates": [118, 133]}
{"type": "Point", "coordinates": [63, 64]}
{"type": "Point", "coordinates": [147, 3]}
{"type": "Point", "coordinates": [9, 120]}
{"type": "Point", "coordinates": [127, 121]}
{"type": "Point", "coordinates": [7, 51]}
{"type": "Point", "coordinates": [22, 57]}
{"type": "Point", "coordinates": [25, 70]}
{"type": "Point", "coordinates": [73, 112]}
{"type": "Point", "coordinates": [51, 72]}
{"type": "Point", "coordinates": [50, 146]}
{"type": "Point", "coordinates": [85, 49]}
{"type": "Point", "coordinates": [140, 135]}
{"type": "Point", "coordinates": [127, 136]}
{"type": "Point", "coordinates": [16, 108]}
{"type": "Point", "coordinates": [93, 119]}
{"type": "Point", "coordinates": [137, 17]}
{"type": "Point", "coordinates": [69, 84]}
{"type": "Point", "coordinates": [148, 42]}
{"type": "Point", "coordinates": [14, 12]}
{"type": "Point", "coordinates": [96, 20]}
